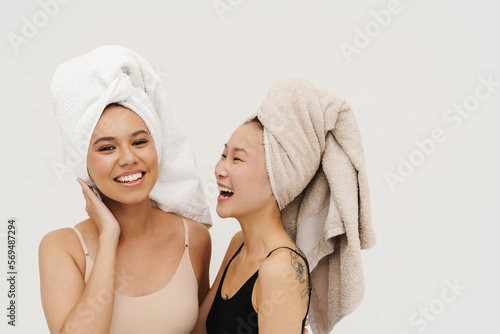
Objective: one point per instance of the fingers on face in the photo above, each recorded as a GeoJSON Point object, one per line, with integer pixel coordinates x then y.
{"type": "Point", "coordinates": [87, 194]}
{"type": "Point", "coordinates": [87, 190]}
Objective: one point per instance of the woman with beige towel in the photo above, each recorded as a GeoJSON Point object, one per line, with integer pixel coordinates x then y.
{"type": "Point", "coordinates": [263, 283]}
{"type": "Point", "coordinates": [294, 175]}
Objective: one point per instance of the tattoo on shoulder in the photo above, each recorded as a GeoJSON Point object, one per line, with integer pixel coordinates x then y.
{"type": "Point", "coordinates": [301, 273]}
{"type": "Point", "coordinates": [226, 297]}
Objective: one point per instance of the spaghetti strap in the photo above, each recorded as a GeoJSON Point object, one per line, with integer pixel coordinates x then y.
{"type": "Point", "coordinates": [186, 234]}
{"type": "Point", "coordinates": [84, 246]}
{"type": "Point", "coordinates": [293, 250]}
{"type": "Point", "coordinates": [219, 289]}
{"type": "Point", "coordinates": [307, 266]}
{"type": "Point", "coordinates": [227, 266]}
{"type": "Point", "coordinates": [89, 263]}
{"type": "Point", "coordinates": [236, 253]}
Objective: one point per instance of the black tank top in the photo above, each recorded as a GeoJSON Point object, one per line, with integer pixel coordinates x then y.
{"type": "Point", "coordinates": [237, 315]}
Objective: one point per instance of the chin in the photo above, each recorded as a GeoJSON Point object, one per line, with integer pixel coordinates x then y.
{"type": "Point", "coordinates": [222, 213]}
{"type": "Point", "coordinates": [128, 200]}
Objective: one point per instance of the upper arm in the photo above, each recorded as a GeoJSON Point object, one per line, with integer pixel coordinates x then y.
{"type": "Point", "coordinates": [200, 252]}
{"type": "Point", "coordinates": [61, 281]}
{"type": "Point", "coordinates": [282, 293]}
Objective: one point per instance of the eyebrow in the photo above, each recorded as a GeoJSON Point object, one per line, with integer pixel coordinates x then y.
{"type": "Point", "coordinates": [110, 138]}
{"type": "Point", "coordinates": [238, 149]}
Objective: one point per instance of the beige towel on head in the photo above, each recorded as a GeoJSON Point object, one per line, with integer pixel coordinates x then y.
{"type": "Point", "coordinates": [316, 166]}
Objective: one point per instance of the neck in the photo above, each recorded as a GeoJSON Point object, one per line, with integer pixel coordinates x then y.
{"type": "Point", "coordinates": [134, 219]}
{"type": "Point", "coordinates": [262, 232]}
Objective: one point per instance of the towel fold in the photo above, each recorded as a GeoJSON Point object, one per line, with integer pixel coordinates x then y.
{"type": "Point", "coordinates": [316, 166]}
{"type": "Point", "coordinates": [82, 87]}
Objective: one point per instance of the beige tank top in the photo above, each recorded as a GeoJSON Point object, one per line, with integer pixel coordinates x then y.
{"type": "Point", "coordinates": [171, 310]}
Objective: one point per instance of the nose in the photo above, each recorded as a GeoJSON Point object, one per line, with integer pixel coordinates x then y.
{"type": "Point", "coordinates": [220, 170]}
{"type": "Point", "coordinates": [127, 156]}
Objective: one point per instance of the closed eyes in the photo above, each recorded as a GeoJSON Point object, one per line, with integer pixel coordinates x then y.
{"type": "Point", "coordinates": [223, 156]}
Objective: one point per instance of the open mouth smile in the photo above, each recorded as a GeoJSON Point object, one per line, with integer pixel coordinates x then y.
{"type": "Point", "coordinates": [127, 179]}
{"type": "Point", "coordinates": [225, 192]}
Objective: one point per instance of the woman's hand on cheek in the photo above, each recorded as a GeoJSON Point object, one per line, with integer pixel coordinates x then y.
{"type": "Point", "coordinates": [99, 212]}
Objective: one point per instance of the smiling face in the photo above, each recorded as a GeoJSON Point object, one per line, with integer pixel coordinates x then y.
{"type": "Point", "coordinates": [241, 174]}
{"type": "Point", "coordinates": [122, 159]}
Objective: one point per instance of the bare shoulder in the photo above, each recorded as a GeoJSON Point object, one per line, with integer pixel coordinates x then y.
{"type": "Point", "coordinates": [198, 234]}
{"type": "Point", "coordinates": [58, 240]}
{"type": "Point", "coordinates": [61, 248]}
{"type": "Point", "coordinates": [285, 266]}
{"type": "Point", "coordinates": [65, 241]}
{"type": "Point", "coordinates": [284, 256]}
{"type": "Point", "coordinates": [276, 264]}
{"type": "Point", "coordinates": [200, 249]}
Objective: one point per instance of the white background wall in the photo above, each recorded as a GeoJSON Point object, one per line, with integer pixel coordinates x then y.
{"type": "Point", "coordinates": [436, 228]}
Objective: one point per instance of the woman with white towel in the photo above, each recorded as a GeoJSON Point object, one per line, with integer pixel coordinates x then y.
{"type": "Point", "coordinates": [140, 263]}
{"type": "Point", "coordinates": [293, 175]}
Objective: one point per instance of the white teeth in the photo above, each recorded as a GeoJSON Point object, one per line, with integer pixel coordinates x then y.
{"type": "Point", "coordinates": [225, 189]}
{"type": "Point", "coordinates": [129, 178]}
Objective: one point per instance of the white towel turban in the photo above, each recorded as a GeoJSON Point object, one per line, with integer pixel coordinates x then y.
{"type": "Point", "coordinates": [82, 87]}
